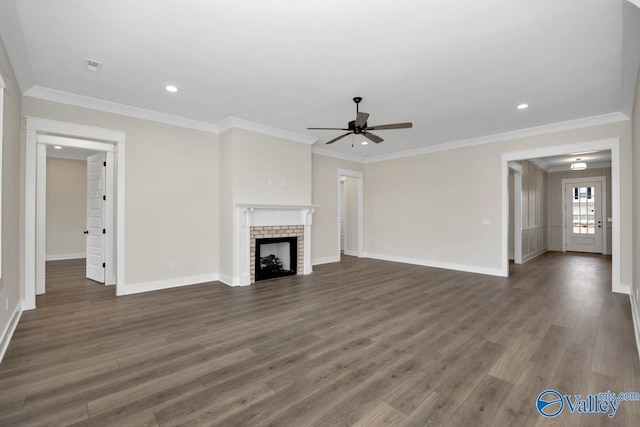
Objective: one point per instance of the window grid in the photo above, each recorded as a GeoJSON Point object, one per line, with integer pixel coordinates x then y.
{"type": "Point", "coordinates": [584, 218]}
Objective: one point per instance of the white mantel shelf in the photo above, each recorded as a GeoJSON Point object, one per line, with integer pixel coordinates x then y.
{"type": "Point", "coordinates": [259, 215]}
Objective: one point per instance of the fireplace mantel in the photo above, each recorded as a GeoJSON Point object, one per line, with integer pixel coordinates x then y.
{"type": "Point", "coordinates": [268, 215]}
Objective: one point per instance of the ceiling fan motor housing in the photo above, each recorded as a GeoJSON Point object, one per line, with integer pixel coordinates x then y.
{"type": "Point", "coordinates": [357, 130]}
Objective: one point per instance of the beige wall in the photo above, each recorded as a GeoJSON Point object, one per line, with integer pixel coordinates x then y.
{"type": "Point", "coordinates": [171, 192]}
{"type": "Point", "coordinates": [636, 196]}
{"type": "Point", "coordinates": [324, 233]}
{"type": "Point", "coordinates": [66, 208]}
{"type": "Point", "coordinates": [443, 197]}
{"type": "Point", "coordinates": [554, 204]}
{"type": "Point", "coordinates": [352, 216]}
{"type": "Point", "coordinates": [10, 290]}
{"type": "Point", "coordinates": [534, 212]}
{"type": "Point", "coordinates": [259, 169]}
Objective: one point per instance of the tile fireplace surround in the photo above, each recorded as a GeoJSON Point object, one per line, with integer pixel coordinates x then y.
{"type": "Point", "coordinates": [263, 221]}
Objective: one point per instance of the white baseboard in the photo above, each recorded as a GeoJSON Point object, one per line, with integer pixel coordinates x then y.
{"type": "Point", "coordinates": [437, 264]}
{"type": "Point", "coordinates": [166, 284]}
{"type": "Point", "coordinates": [7, 334]}
{"type": "Point", "coordinates": [230, 281]}
{"type": "Point", "coordinates": [350, 252]}
{"type": "Point", "coordinates": [327, 260]}
{"type": "Point", "coordinates": [60, 257]}
{"type": "Point", "coordinates": [621, 289]}
{"type": "Point", "coordinates": [533, 255]}
{"type": "Point", "coordinates": [636, 322]}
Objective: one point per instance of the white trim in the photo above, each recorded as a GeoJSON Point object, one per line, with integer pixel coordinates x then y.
{"type": "Point", "coordinates": [350, 253]}
{"type": "Point", "coordinates": [359, 175]}
{"type": "Point", "coordinates": [533, 255]}
{"type": "Point", "coordinates": [2, 86]}
{"type": "Point", "coordinates": [166, 284]}
{"type": "Point", "coordinates": [54, 95]}
{"type": "Point", "coordinates": [603, 207]}
{"type": "Point", "coordinates": [336, 155]}
{"type": "Point", "coordinates": [612, 144]}
{"type": "Point", "coordinates": [437, 264]}
{"type": "Point", "coordinates": [76, 143]}
{"type": "Point", "coordinates": [236, 123]}
{"type": "Point", "coordinates": [35, 127]}
{"type": "Point", "coordinates": [60, 257]}
{"type": "Point", "coordinates": [636, 321]}
{"type": "Point", "coordinates": [327, 260]}
{"type": "Point", "coordinates": [73, 129]}
{"type": "Point", "coordinates": [505, 136]}
{"type": "Point", "coordinates": [517, 211]}
{"type": "Point", "coordinates": [7, 334]}
{"type": "Point", "coordinates": [230, 281]}
{"type": "Point", "coordinates": [41, 216]}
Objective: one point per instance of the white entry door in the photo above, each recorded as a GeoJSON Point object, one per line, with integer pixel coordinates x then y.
{"type": "Point", "coordinates": [95, 239]}
{"type": "Point", "coordinates": [583, 207]}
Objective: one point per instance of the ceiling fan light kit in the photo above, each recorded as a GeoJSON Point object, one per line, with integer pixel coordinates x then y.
{"type": "Point", "coordinates": [359, 126]}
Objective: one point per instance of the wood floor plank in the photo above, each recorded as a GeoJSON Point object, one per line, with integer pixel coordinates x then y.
{"type": "Point", "coordinates": [362, 342]}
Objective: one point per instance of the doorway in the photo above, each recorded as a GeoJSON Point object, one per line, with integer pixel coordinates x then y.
{"type": "Point", "coordinates": [350, 213]}
{"type": "Point", "coordinates": [41, 133]}
{"type": "Point", "coordinates": [584, 212]}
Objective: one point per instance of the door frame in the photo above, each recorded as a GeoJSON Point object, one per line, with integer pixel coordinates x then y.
{"type": "Point", "coordinates": [603, 201]}
{"type": "Point", "coordinates": [42, 132]}
{"type": "Point", "coordinates": [612, 144]}
{"type": "Point", "coordinates": [516, 168]}
{"type": "Point", "coordinates": [359, 175]}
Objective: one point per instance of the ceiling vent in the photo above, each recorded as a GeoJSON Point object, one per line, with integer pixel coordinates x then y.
{"type": "Point", "coordinates": [93, 65]}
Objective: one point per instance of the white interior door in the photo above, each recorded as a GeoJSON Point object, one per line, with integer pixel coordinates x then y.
{"type": "Point", "coordinates": [583, 208]}
{"type": "Point", "coordinates": [95, 239]}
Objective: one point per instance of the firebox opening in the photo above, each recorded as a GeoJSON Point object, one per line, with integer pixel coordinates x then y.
{"type": "Point", "coordinates": [276, 257]}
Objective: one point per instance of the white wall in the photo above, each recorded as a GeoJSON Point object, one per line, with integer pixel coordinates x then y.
{"type": "Point", "coordinates": [172, 194]}
{"type": "Point", "coordinates": [10, 290]}
{"type": "Point", "coordinates": [534, 212]}
{"type": "Point", "coordinates": [443, 197]}
{"type": "Point", "coordinates": [554, 204]}
{"type": "Point", "coordinates": [324, 232]}
{"type": "Point", "coordinates": [66, 208]}
{"type": "Point", "coordinates": [636, 204]}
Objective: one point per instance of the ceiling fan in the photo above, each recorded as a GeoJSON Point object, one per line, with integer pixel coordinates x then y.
{"type": "Point", "coordinates": [359, 126]}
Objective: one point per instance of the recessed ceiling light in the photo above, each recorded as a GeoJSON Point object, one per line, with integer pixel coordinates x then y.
{"type": "Point", "coordinates": [522, 106]}
{"type": "Point", "coordinates": [57, 147]}
{"type": "Point", "coordinates": [171, 88]}
{"type": "Point", "coordinates": [364, 142]}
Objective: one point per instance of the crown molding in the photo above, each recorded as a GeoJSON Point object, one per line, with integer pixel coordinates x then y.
{"type": "Point", "coordinates": [505, 136]}
{"type": "Point", "coordinates": [337, 155]}
{"type": "Point", "coordinates": [236, 123]}
{"type": "Point", "coordinates": [636, 2]}
{"type": "Point", "coordinates": [54, 95]}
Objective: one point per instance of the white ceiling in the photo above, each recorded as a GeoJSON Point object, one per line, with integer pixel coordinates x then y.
{"type": "Point", "coordinates": [593, 159]}
{"type": "Point", "coordinates": [456, 69]}
{"type": "Point", "coordinates": [70, 153]}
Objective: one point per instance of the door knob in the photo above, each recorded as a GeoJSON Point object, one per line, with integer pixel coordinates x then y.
{"type": "Point", "coordinates": [86, 232]}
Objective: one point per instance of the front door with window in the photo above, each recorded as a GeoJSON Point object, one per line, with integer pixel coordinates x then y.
{"type": "Point", "coordinates": [583, 214]}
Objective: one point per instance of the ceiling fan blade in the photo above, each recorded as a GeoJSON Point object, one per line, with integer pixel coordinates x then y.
{"type": "Point", "coordinates": [361, 119]}
{"type": "Point", "coordinates": [374, 138]}
{"type": "Point", "coordinates": [328, 128]}
{"type": "Point", "coordinates": [391, 126]}
{"type": "Point", "coordinates": [340, 137]}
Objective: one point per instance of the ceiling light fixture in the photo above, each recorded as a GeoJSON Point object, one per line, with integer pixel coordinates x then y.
{"type": "Point", "coordinates": [578, 165]}
{"type": "Point", "coordinates": [171, 88]}
{"type": "Point", "coordinates": [522, 106]}
{"type": "Point", "coordinates": [364, 143]}
{"type": "Point", "coordinates": [57, 147]}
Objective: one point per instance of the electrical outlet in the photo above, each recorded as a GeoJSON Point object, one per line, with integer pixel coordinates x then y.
{"type": "Point", "coordinates": [172, 266]}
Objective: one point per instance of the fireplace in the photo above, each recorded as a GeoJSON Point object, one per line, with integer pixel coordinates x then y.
{"type": "Point", "coordinates": [276, 257]}
{"type": "Point", "coordinates": [284, 223]}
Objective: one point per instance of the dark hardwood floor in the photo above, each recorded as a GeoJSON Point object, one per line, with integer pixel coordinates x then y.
{"type": "Point", "coordinates": [362, 343]}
